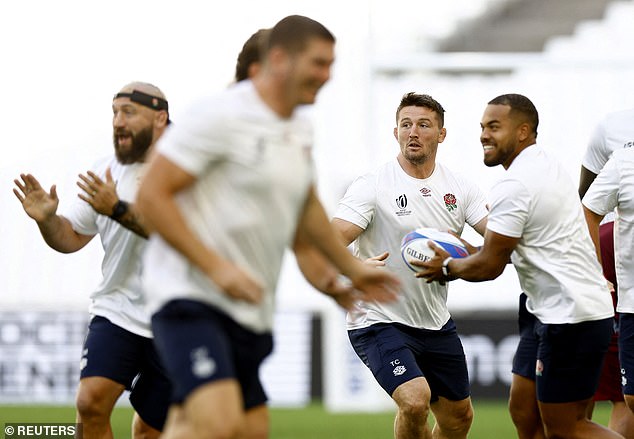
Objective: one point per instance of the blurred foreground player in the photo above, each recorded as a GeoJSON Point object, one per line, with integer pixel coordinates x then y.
{"type": "Point", "coordinates": [230, 189]}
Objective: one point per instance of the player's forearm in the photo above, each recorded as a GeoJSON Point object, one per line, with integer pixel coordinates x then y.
{"type": "Point", "coordinates": [133, 221]}
{"type": "Point", "coordinates": [60, 236]}
{"type": "Point", "coordinates": [593, 220]}
{"type": "Point", "coordinates": [475, 268]}
{"type": "Point", "coordinates": [326, 238]}
{"type": "Point", "coordinates": [314, 266]}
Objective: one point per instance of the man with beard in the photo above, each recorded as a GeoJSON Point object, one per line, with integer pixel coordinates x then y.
{"type": "Point", "coordinates": [411, 345]}
{"type": "Point", "coordinates": [118, 353]}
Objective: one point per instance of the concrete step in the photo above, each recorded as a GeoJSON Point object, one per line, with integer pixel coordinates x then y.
{"type": "Point", "coordinates": [522, 25]}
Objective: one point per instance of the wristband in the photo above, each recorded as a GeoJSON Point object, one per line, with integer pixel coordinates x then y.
{"type": "Point", "coordinates": [119, 209]}
{"type": "Point", "coordinates": [445, 266]}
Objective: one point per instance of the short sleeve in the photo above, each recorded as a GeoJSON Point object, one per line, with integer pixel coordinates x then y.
{"type": "Point", "coordinates": [358, 205]}
{"type": "Point", "coordinates": [197, 139]}
{"type": "Point", "coordinates": [596, 153]}
{"type": "Point", "coordinates": [510, 202]}
{"type": "Point", "coordinates": [602, 195]}
{"type": "Point", "coordinates": [476, 204]}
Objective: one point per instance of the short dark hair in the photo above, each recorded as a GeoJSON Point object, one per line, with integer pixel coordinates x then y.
{"type": "Point", "coordinates": [251, 53]}
{"type": "Point", "coordinates": [412, 99]}
{"type": "Point", "coordinates": [293, 33]}
{"type": "Point", "coordinates": [522, 105]}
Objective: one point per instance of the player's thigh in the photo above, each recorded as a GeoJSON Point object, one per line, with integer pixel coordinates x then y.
{"type": "Point", "coordinates": [443, 363]}
{"type": "Point", "coordinates": [526, 353]}
{"type": "Point", "coordinates": [383, 349]}
{"type": "Point", "coordinates": [570, 358]}
{"type": "Point", "coordinates": [152, 391]}
{"type": "Point", "coordinates": [523, 394]}
{"type": "Point", "coordinates": [109, 351]}
{"type": "Point", "coordinates": [414, 394]}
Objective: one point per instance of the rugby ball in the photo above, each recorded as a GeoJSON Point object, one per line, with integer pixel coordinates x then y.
{"type": "Point", "coordinates": [414, 245]}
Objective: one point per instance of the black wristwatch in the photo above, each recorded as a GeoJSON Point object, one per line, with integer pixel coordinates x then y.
{"type": "Point", "coordinates": [119, 209]}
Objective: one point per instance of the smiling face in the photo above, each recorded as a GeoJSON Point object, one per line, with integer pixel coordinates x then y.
{"type": "Point", "coordinates": [309, 69]}
{"type": "Point", "coordinates": [502, 135]}
{"type": "Point", "coordinates": [418, 134]}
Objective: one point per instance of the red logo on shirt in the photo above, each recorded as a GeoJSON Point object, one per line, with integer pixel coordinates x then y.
{"type": "Point", "coordinates": [450, 202]}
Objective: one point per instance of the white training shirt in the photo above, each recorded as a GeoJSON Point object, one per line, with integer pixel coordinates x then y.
{"type": "Point", "coordinates": [555, 259]}
{"type": "Point", "coordinates": [614, 188]}
{"type": "Point", "coordinates": [118, 297]}
{"type": "Point", "coordinates": [253, 170]}
{"type": "Point", "coordinates": [387, 204]}
{"type": "Point", "coordinates": [614, 132]}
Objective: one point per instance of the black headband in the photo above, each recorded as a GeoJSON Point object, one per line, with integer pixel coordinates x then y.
{"type": "Point", "coordinates": [153, 102]}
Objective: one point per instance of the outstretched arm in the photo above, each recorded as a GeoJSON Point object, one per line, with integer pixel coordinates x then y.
{"type": "Point", "coordinates": [372, 283]}
{"type": "Point", "coordinates": [42, 206]}
{"type": "Point", "coordinates": [486, 264]}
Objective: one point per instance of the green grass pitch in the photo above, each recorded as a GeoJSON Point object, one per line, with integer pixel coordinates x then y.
{"type": "Point", "coordinates": [313, 422]}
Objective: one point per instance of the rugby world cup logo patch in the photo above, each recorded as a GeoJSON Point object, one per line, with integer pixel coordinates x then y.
{"type": "Point", "coordinates": [401, 203]}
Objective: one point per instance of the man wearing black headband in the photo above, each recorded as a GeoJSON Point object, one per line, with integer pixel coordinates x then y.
{"type": "Point", "coordinates": [118, 352]}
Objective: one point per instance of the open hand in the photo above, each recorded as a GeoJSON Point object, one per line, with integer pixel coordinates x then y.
{"type": "Point", "coordinates": [101, 195]}
{"type": "Point", "coordinates": [37, 203]}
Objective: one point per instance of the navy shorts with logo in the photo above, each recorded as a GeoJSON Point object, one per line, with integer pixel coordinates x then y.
{"type": "Point", "coordinates": [200, 344]}
{"type": "Point", "coordinates": [570, 359]}
{"type": "Point", "coordinates": [397, 353]}
{"type": "Point", "coordinates": [131, 360]}
{"type": "Point", "coordinates": [526, 352]}
{"type": "Point", "coordinates": [626, 351]}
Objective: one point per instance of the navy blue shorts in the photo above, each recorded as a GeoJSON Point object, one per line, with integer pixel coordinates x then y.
{"type": "Point", "coordinates": [570, 359]}
{"type": "Point", "coordinates": [131, 360]}
{"type": "Point", "coordinates": [626, 351]}
{"type": "Point", "coordinates": [397, 353]}
{"type": "Point", "coordinates": [200, 344]}
{"type": "Point", "coordinates": [526, 352]}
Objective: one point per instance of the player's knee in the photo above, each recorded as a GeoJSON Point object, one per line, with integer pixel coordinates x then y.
{"type": "Point", "coordinates": [523, 415]}
{"type": "Point", "coordinates": [463, 418]}
{"type": "Point", "coordinates": [457, 422]}
{"type": "Point", "coordinates": [413, 399]}
{"type": "Point", "coordinates": [413, 407]}
{"type": "Point", "coordinates": [96, 398]}
{"type": "Point", "coordinates": [91, 407]}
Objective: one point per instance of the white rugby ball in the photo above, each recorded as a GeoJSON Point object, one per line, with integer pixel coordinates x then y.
{"type": "Point", "coordinates": [414, 245]}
